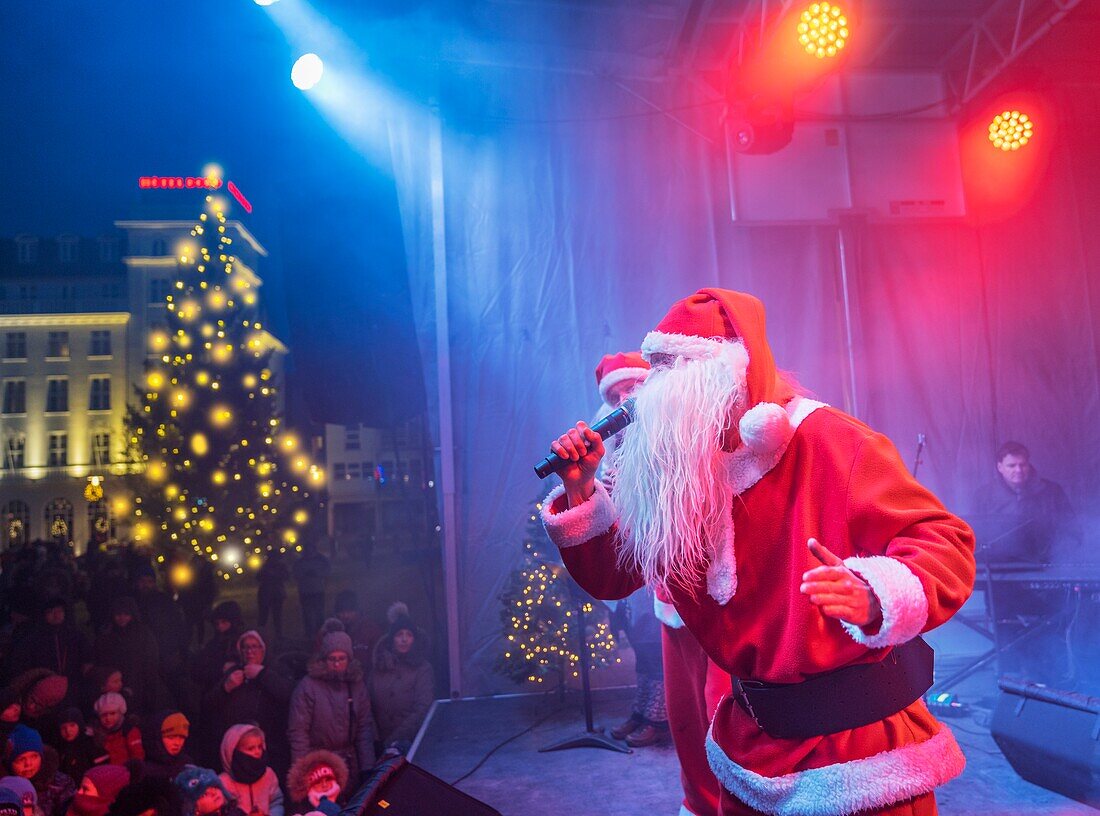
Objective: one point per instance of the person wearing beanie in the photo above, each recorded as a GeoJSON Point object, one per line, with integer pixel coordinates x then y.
{"type": "Point", "coordinates": [148, 796]}
{"type": "Point", "coordinates": [39, 692]}
{"type": "Point", "coordinates": [130, 646]}
{"type": "Point", "coordinates": [253, 691]}
{"type": "Point", "coordinates": [246, 773]}
{"type": "Point", "coordinates": [401, 683]}
{"type": "Point", "coordinates": [363, 631]}
{"type": "Point", "coordinates": [99, 787]}
{"type": "Point", "coordinates": [318, 782]}
{"type": "Point", "coordinates": [76, 749]}
{"type": "Point", "coordinates": [330, 707]}
{"type": "Point", "coordinates": [165, 742]}
{"type": "Point", "coordinates": [116, 734]}
{"type": "Point", "coordinates": [24, 789]}
{"type": "Point", "coordinates": [28, 758]}
{"type": "Point", "coordinates": [794, 544]}
{"type": "Point", "coordinates": [11, 803]}
{"type": "Point", "coordinates": [203, 793]}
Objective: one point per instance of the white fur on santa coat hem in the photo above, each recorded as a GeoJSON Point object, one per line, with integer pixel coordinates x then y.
{"type": "Point", "coordinates": [666, 613]}
{"type": "Point", "coordinates": [845, 787]}
{"type": "Point", "coordinates": [901, 595]}
{"type": "Point", "coordinates": [690, 346]}
{"type": "Point", "coordinates": [577, 525]}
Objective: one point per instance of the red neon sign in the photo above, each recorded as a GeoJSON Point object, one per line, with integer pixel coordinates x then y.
{"type": "Point", "coordinates": [178, 183]}
{"type": "Point", "coordinates": [237, 194]}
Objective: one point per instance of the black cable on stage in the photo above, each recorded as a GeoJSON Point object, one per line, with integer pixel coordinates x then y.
{"type": "Point", "coordinates": [500, 745]}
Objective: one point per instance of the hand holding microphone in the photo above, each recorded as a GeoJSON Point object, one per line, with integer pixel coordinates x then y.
{"type": "Point", "coordinates": [577, 452]}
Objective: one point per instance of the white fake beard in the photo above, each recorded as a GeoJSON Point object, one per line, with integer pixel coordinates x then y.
{"type": "Point", "coordinates": [671, 486]}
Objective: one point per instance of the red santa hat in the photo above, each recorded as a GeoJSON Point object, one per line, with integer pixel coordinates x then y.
{"type": "Point", "coordinates": [702, 325]}
{"type": "Point", "coordinates": [615, 368]}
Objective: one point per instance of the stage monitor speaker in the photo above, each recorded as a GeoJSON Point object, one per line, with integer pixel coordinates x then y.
{"type": "Point", "coordinates": [396, 787]}
{"type": "Point", "coordinates": [1051, 738]}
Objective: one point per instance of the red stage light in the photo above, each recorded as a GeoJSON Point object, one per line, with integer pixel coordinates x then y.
{"type": "Point", "coordinates": [823, 30]}
{"type": "Point", "coordinates": [1010, 130]}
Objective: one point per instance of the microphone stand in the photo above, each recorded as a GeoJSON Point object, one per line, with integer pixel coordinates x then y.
{"type": "Point", "coordinates": [920, 450]}
{"type": "Point", "coordinates": [591, 737]}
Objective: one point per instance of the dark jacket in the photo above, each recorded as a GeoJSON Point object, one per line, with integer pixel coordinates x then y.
{"type": "Point", "coordinates": [1022, 525]}
{"type": "Point", "coordinates": [263, 700]}
{"type": "Point", "coordinates": [62, 649]}
{"type": "Point", "coordinates": [333, 712]}
{"type": "Point", "coordinates": [133, 650]}
{"type": "Point", "coordinates": [78, 756]}
{"type": "Point", "coordinates": [54, 788]}
{"type": "Point", "coordinates": [401, 692]}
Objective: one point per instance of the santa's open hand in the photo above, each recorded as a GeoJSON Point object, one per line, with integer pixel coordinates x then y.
{"type": "Point", "coordinates": [584, 449]}
{"type": "Point", "coordinates": [837, 591]}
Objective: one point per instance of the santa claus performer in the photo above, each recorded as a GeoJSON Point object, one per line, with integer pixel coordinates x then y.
{"type": "Point", "coordinates": [799, 552]}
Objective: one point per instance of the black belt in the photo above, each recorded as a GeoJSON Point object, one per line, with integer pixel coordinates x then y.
{"type": "Point", "coordinates": [842, 699]}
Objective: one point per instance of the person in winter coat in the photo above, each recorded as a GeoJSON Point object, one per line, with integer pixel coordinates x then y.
{"type": "Point", "coordinates": [31, 760]}
{"type": "Point", "coordinates": [330, 707]}
{"type": "Point", "coordinates": [251, 691]}
{"type": "Point", "coordinates": [271, 591]}
{"type": "Point", "coordinates": [98, 789]}
{"type": "Point", "coordinates": [310, 572]}
{"type": "Point", "coordinates": [41, 691]}
{"type": "Point", "coordinates": [76, 749]}
{"type": "Point", "coordinates": [165, 742]}
{"type": "Point", "coordinates": [401, 684]}
{"type": "Point", "coordinates": [246, 774]}
{"type": "Point", "coordinates": [317, 782]}
{"type": "Point", "coordinates": [114, 733]}
{"type": "Point", "coordinates": [204, 794]}
{"type": "Point", "coordinates": [22, 788]}
{"type": "Point", "coordinates": [363, 631]}
{"type": "Point", "coordinates": [129, 646]}
{"type": "Point", "coordinates": [163, 615]}
{"type": "Point", "coordinates": [213, 659]}
{"type": "Point", "coordinates": [53, 642]}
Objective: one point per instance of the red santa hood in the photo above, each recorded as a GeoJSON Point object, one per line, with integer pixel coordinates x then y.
{"type": "Point", "coordinates": [698, 326]}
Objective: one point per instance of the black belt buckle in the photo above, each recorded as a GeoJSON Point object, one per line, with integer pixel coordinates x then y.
{"type": "Point", "coordinates": [743, 698]}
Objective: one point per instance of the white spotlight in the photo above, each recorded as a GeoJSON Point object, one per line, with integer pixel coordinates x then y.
{"type": "Point", "coordinates": [307, 71]}
{"type": "Point", "coordinates": [265, 2]}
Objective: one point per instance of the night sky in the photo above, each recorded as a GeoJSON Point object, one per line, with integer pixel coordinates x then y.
{"type": "Point", "coordinates": [97, 94]}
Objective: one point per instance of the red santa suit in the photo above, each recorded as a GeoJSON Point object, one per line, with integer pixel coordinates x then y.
{"type": "Point", "coordinates": [801, 470]}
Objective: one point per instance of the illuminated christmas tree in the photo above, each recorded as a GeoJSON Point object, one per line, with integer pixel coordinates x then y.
{"type": "Point", "coordinates": [540, 617]}
{"type": "Point", "coordinates": [220, 475]}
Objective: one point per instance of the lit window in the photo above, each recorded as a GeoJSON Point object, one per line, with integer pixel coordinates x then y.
{"type": "Point", "coordinates": [59, 449]}
{"type": "Point", "coordinates": [101, 344]}
{"type": "Point", "coordinates": [159, 247]}
{"type": "Point", "coordinates": [57, 395]}
{"type": "Point", "coordinates": [58, 345]}
{"type": "Point", "coordinates": [101, 448]}
{"type": "Point", "coordinates": [15, 396]}
{"type": "Point", "coordinates": [99, 393]}
{"type": "Point", "coordinates": [159, 289]}
{"type": "Point", "coordinates": [15, 452]}
{"type": "Point", "coordinates": [15, 346]}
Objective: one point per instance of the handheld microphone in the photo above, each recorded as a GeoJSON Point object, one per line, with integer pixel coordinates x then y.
{"type": "Point", "coordinates": [608, 426]}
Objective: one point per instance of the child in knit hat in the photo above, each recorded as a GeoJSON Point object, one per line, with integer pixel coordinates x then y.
{"type": "Point", "coordinates": [204, 794]}
{"type": "Point", "coordinates": [10, 803]}
{"type": "Point", "coordinates": [316, 783]}
{"type": "Point", "coordinates": [76, 749]}
{"type": "Point", "coordinates": [246, 774]}
{"type": "Point", "coordinates": [24, 789]}
{"type": "Point", "coordinates": [114, 733]}
{"type": "Point", "coordinates": [98, 790]}
{"type": "Point", "coordinates": [28, 758]}
{"type": "Point", "coordinates": [166, 744]}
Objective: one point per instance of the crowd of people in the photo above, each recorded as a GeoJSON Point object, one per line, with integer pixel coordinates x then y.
{"type": "Point", "coordinates": [113, 699]}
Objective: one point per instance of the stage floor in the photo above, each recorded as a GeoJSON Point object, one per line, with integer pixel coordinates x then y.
{"type": "Point", "coordinates": [519, 781]}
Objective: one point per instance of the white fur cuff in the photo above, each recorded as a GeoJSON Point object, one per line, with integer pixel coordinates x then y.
{"type": "Point", "coordinates": [690, 346]}
{"type": "Point", "coordinates": [899, 591]}
{"type": "Point", "coordinates": [846, 787]}
{"type": "Point", "coordinates": [666, 613]}
{"type": "Point", "coordinates": [581, 523]}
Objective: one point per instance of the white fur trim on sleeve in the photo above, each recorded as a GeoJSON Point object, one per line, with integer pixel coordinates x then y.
{"type": "Point", "coordinates": [581, 523]}
{"type": "Point", "coordinates": [666, 613]}
{"type": "Point", "coordinates": [690, 346]}
{"type": "Point", "coordinates": [873, 782]}
{"type": "Point", "coordinates": [899, 591]}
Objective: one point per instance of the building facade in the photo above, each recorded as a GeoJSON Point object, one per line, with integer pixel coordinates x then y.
{"type": "Point", "coordinates": [76, 318]}
{"type": "Point", "coordinates": [380, 488]}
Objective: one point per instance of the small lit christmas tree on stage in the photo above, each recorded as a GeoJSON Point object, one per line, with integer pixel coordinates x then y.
{"type": "Point", "coordinates": [220, 475]}
{"type": "Point", "coordinates": [540, 617]}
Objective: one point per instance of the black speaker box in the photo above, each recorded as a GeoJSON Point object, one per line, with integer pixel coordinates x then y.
{"type": "Point", "coordinates": [399, 788]}
{"type": "Point", "coordinates": [1051, 738]}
